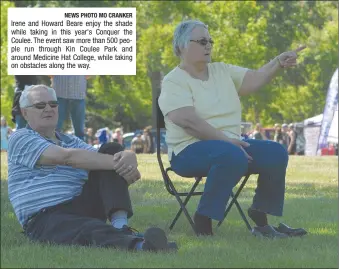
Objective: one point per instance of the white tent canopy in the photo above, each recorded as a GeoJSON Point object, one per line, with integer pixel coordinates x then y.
{"type": "Point", "coordinates": [312, 132]}
{"type": "Point", "coordinates": [323, 129]}
{"type": "Point", "coordinates": [314, 121]}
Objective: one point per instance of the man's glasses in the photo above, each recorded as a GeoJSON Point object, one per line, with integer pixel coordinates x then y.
{"type": "Point", "coordinates": [203, 42]}
{"type": "Point", "coordinates": [42, 105]}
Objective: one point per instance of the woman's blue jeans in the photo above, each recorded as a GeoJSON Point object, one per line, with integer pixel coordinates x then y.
{"type": "Point", "coordinates": [77, 110]}
{"type": "Point", "coordinates": [224, 164]}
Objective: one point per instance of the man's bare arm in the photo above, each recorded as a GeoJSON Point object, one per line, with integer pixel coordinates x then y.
{"type": "Point", "coordinates": [77, 158]}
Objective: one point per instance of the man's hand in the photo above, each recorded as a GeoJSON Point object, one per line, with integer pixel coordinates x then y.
{"type": "Point", "coordinates": [132, 177]}
{"type": "Point", "coordinates": [241, 144]}
{"type": "Point", "coordinates": [126, 166]}
{"type": "Point", "coordinates": [289, 58]}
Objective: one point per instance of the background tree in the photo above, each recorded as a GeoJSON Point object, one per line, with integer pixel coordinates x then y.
{"type": "Point", "coordinates": [246, 33]}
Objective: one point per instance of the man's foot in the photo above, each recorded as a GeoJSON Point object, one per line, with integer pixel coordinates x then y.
{"type": "Point", "coordinates": [283, 228]}
{"type": "Point", "coordinates": [131, 231]}
{"type": "Point", "coordinates": [155, 240]}
{"type": "Point", "coordinates": [203, 224]}
{"type": "Point", "coordinates": [267, 231]}
{"type": "Point", "coordinates": [153, 237]}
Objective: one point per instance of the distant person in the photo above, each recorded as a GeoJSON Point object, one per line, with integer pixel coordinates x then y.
{"type": "Point", "coordinates": [89, 136]}
{"type": "Point", "coordinates": [65, 191]}
{"type": "Point", "coordinates": [20, 83]}
{"type": "Point", "coordinates": [243, 133]}
{"type": "Point", "coordinates": [148, 140]}
{"type": "Point", "coordinates": [71, 93]}
{"type": "Point", "coordinates": [109, 135]}
{"type": "Point", "coordinates": [152, 139]}
{"type": "Point", "coordinates": [300, 140]}
{"type": "Point", "coordinates": [117, 136]}
{"type": "Point", "coordinates": [259, 133]}
{"type": "Point", "coordinates": [278, 137]}
{"type": "Point", "coordinates": [5, 133]}
{"type": "Point", "coordinates": [138, 144]}
{"type": "Point", "coordinates": [285, 135]}
{"type": "Point", "coordinates": [292, 147]}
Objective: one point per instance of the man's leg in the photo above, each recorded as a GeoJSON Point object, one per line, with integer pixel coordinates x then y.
{"type": "Point", "coordinates": [63, 112]}
{"type": "Point", "coordinates": [77, 109]}
{"type": "Point", "coordinates": [104, 194]}
{"type": "Point", "coordinates": [112, 189]}
{"type": "Point", "coordinates": [224, 164]}
{"type": "Point", "coordinates": [110, 199]}
{"type": "Point", "coordinates": [62, 226]}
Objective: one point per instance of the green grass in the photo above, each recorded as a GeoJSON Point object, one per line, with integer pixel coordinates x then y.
{"type": "Point", "coordinates": [311, 202]}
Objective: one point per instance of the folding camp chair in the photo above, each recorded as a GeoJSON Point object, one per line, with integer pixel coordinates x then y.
{"type": "Point", "coordinates": [160, 123]}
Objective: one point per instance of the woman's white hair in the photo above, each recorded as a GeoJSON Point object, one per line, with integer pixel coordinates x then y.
{"type": "Point", "coordinates": [24, 98]}
{"type": "Point", "coordinates": [182, 35]}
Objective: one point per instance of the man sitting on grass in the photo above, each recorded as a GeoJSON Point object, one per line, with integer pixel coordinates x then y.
{"type": "Point", "coordinates": [63, 190]}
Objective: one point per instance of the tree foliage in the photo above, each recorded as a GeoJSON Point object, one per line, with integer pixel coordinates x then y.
{"type": "Point", "coordinates": [246, 33]}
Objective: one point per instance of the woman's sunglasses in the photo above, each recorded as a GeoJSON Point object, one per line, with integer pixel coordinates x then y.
{"type": "Point", "coordinates": [204, 42]}
{"type": "Point", "coordinates": [42, 105]}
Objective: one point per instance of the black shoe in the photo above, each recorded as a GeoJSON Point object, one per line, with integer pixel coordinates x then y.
{"type": "Point", "coordinates": [131, 231]}
{"type": "Point", "coordinates": [155, 240]}
{"type": "Point", "coordinates": [267, 231]}
{"type": "Point", "coordinates": [203, 224]}
{"type": "Point", "coordinates": [283, 228]}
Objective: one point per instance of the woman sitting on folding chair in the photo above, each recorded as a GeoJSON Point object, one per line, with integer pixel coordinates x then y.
{"type": "Point", "coordinates": [202, 110]}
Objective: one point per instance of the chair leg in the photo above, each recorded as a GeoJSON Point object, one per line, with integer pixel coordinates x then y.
{"type": "Point", "coordinates": [183, 205]}
{"type": "Point", "coordinates": [243, 216]}
{"type": "Point", "coordinates": [234, 199]}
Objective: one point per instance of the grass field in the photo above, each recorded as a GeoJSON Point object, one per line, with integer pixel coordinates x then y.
{"type": "Point", "coordinates": [311, 203]}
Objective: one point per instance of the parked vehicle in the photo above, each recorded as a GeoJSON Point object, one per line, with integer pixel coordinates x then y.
{"type": "Point", "coordinates": [127, 139]}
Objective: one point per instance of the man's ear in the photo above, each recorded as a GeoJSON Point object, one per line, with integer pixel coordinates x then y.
{"type": "Point", "coordinates": [24, 113]}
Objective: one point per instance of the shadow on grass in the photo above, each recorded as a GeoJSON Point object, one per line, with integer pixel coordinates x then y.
{"type": "Point", "coordinates": [153, 206]}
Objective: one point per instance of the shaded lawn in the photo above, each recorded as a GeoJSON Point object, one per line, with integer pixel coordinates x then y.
{"type": "Point", "coordinates": [311, 202]}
